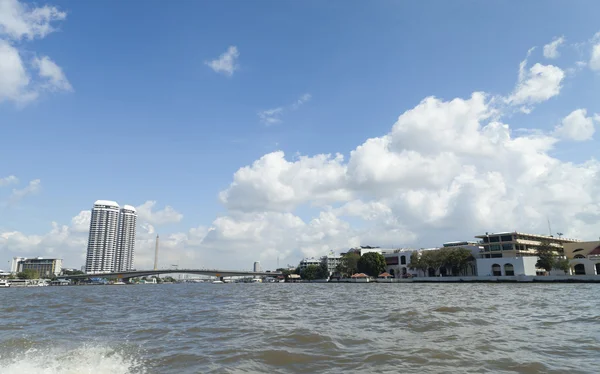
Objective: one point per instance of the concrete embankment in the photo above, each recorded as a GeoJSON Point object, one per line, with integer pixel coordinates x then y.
{"type": "Point", "coordinates": [487, 279]}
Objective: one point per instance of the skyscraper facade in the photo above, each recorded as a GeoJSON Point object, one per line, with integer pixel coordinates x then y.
{"type": "Point", "coordinates": [102, 241]}
{"type": "Point", "coordinates": [124, 254]}
{"type": "Point", "coordinates": [112, 238]}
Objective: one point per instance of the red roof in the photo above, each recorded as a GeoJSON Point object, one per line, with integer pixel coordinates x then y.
{"type": "Point", "coordinates": [383, 275]}
{"type": "Point", "coordinates": [359, 275]}
{"type": "Point", "coordinates": [595, 251]}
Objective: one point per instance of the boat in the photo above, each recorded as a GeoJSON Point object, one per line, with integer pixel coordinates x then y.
{"type": "Point", "coordinates": [4, 283]}
{"type": "Point", "coordinates": [217, 282]}
{"type": "Point", "coordinates": [119, 283]}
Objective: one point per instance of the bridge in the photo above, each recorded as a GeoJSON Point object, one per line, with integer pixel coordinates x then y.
{"type": "Point", "coordinates": [144, 273]}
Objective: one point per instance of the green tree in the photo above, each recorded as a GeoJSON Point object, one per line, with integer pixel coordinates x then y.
{"type": "Point", "coordinates": [372, 264]}
{"type": "Point", "coordinates": [323, 272]}
{"type": "Point", "coordinates": [349, 264]}
{"type": "Point", "coordinates": [416, 263]}
{"type": "Point", "coordinates": [28, 274]}
{"type": "Point", "coordinates": [311, 272]}
{"type": "Point", "coordinates": [562, 264]}
{"type": "Point", "coordinates": [546, 256]}
{"type": "Point", "coordinates": [457, 259]}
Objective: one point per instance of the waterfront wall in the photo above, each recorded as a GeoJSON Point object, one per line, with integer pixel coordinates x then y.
{"type": "Point", "coordinates": [488, 279]}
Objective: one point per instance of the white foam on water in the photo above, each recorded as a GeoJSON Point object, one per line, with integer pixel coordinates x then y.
{"type": "Point", "coordinates": [81, 360]}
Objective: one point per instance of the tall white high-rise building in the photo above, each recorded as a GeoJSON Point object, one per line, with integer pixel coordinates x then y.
{"type": "Point", "coordinates": [126, 239]}
{"type": "Point", "coordinates": [112, 238]}
{"type": "Point", "coordinates": [257, 268]}
{"type": "Point", "coordinates": [102, 241]}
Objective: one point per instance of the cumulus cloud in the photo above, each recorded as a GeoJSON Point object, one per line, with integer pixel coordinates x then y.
{"type": "Point", "coordinates": [551, 49]}
{"type": "Point", "coordinates": [7, 181]}
{"type": "Point", "coordinates": [22, 81]}
{"type": "Point", "coordinates": [157, 217]}
{"type": "Point", "coordinates": [576, 126]}
{"type": "Point", "coordinates": [536, 85]}
{"type": "Point", "coordinates": [226, 63]}
{"type": "Point", "coordinates": [14, 77]}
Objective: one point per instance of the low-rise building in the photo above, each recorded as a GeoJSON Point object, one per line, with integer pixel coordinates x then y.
{"type": "Point", "coordinates": [517, 244]}
{"type": "Point", "coordinates": [398, 262]}
{"type": "Point", "coordinates": [45, 267]}
{"type": "Point", "coordinates": [306, 262]}
{"type": "Point", "coordinates": [331, 261]}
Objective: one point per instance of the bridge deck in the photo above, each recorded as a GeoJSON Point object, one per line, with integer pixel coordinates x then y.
{"type": "Point", "coordinates": [144, 273]}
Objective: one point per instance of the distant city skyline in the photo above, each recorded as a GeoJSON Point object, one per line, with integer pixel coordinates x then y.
{"type": "Point", "coordinates": [257, 131]}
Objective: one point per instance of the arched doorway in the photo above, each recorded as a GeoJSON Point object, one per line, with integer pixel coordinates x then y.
{"type": "Point", "coordinates": [598, 268]}
{"type": "Point", "coordinates": [443, 271]}
{"type": "Point", "coordinates": [496, 270]}
{"type": "Point", "coordinates": [391, 272]}
{"type": "Point", "coordinates": [509, 269]}
{"type": "Point", "coordinates": [403, 271]}
{"type": "Point", "coordinates": [579, 269]}
{"type": "Point", "coordinates": [431, 272]}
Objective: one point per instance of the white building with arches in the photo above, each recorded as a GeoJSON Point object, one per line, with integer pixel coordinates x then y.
{"type": "Point", "coordinates": [584, 257]}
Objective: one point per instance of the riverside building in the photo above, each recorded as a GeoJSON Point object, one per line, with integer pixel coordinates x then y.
{"type": "Point", "coordinates": [45, 267]}
{"type": "Point", "coordinates": [517, 244]}
{"type": "Point", "coordinates": [111, 239]}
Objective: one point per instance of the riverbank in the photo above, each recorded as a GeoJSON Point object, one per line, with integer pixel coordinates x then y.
{"type": "Point", "coordinates": [477, 279]}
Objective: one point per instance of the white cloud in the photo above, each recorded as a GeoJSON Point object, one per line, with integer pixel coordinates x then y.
{"type": "Point", "coordinates": [157, 217]}
{"type": "Point", "coordinates": [19, 20]}
{"type": "Point", "coordinates": [537, 85]}
{"type": "Point", "coordinates": [576, 126]}
{"type": "Point", "coordinates": [32, 188]}
{"type": "Point", "coordinates": [226, 63]}
{"type": "Point", "coordinates": [274, 116]}
{"type": "Point", "coordinates": [595, 58]}
{"type": "Point", "coordinates": [551, 49]}
{"type": "Point", "coordinates": [14, 78]}
{"type": "Point", "coordinates": [271, 116]}
{"type": "Point", "coordinates": [54, 75]}
{"type": "Point", "coordinates": [302, 100]}
{"type": "Point", "coordinates": [81, 222]}
{"type": "Point", "coordinates": [22, 82]}
{"type": "Point", "coordinates": [7, 181]}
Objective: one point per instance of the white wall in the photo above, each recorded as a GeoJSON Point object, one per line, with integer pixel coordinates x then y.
{"type": "Point", "coordinates": [522, 265]}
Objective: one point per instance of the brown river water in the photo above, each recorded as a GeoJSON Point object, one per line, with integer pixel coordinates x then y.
{"type": "Point", "coordinates": [301, 328]}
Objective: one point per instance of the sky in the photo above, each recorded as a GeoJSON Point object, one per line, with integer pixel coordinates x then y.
{"type": "Point", "coordinates": [275, 130]}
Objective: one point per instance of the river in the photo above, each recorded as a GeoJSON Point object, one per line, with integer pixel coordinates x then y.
{"type": "Point", "coordinates": [301, 328]}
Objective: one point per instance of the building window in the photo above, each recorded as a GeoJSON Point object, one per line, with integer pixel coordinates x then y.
{"type": "Point", "coordinates": [495, 247]}
{"type": "Point", "coordinates": [402, 260]}
{"type": "Point", "coordinates": [579, 269]}
{"type": "Point", "coordinates": [507, 247]}
{"type": "Point", "coordinates": [579, 256]}
{"type": "Point", "coordinates": [506, 238]}
{"type": "Point", "coordinates": [509, 269]}
{"type": "Point", "coordinates": [494, 239]}
{"type": "Point", "coordinates": [496, 270]}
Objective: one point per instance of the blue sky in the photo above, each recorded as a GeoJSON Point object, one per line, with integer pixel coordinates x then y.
{"type": "Point", "coordinates": [148, 120]}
